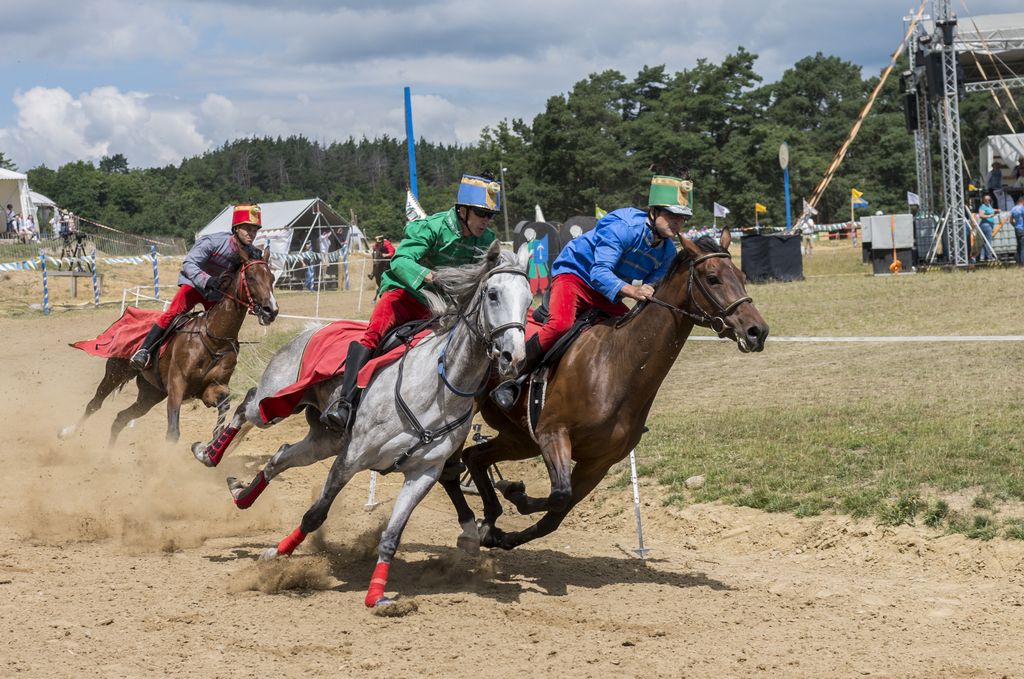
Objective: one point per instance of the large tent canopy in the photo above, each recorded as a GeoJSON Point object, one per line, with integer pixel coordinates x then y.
{"type": "Point", "coordinates": [14, 191]}
{"type": "Point", "coordinates": [991, 47]}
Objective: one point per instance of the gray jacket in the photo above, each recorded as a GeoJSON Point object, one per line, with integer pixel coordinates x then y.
{"type": "Point", "coordinates": [210, 257]}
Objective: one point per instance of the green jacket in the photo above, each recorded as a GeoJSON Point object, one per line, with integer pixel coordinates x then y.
{"type": "Point", "coordinates": [428, 244]}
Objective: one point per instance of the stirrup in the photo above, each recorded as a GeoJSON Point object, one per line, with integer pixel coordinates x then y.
{"type": "Point", "coordinates": [338, 416]}
{"type": "Point", "coordinates": [139, 360]}
{"type": "Point", "coordinates": [506, 394]}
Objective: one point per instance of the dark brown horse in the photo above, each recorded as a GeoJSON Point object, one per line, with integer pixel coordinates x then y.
{"type": "Point", "coordinates": [381, 262]}
{"type": "Point", "coordinates": [599, 396]}
{"type": "Point", "coordinates": [198, 359]}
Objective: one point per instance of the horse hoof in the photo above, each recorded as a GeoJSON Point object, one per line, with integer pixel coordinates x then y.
{"type": "Point", "coordinates": [470, 544]}
{"type": "Point", "coordinates": [490, 536]}
{"type": "Point", "coordinates": [268, 554]}
{"type": "Point", "coordinates": [199, 452]}
{"type": "Point", "coordinates": [507, 488]}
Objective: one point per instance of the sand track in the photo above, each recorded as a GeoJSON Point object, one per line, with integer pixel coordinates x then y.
{"type": "Point", "coordinates": [133, 562]}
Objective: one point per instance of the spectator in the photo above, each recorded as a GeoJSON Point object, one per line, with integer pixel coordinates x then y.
{"type": "Point", "coordinates": [986, 222]}
{"type": "Point", "coordinates": [11, 229]}
{"type": "Point", "coordinates": [29, 229]}
{"type": "Point", "coordinates": [55, 223]}
{"type": "Point", "coordinates": [994, 181]}
{"type": "Point", "coordinates": [1018, 172]}
{"type": "Point", "coordinates": [807, 229]}
{"type": "Point", "coordinates": [1017, 219]}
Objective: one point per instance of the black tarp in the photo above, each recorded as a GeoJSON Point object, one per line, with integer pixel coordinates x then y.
{"type": "Point", "coordinates": [772, 258]}
{"type": "Point", "coordinates": [575, 227]}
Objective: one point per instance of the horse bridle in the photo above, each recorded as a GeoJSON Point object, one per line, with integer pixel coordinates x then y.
{"type": "Point", "coordinates": [705, 319]}
{"type": "Point", "coordinates": [488, 339]}
{"type": "Point", "coordinates": [243, 287]}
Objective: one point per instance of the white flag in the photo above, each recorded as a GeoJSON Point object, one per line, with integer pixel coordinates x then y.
{"type": "Point", "coordinates": [413, 210]}
{"type": "Point", "coordinates": [913, 198]}
{"type": "Point", "coordinates": [808, 209]}
{"type": "Point", "coordinates": [721, 210]}
{"type": "Point", "coordinates": [538, 216]}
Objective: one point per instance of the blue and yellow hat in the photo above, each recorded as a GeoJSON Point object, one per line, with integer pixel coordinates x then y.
{"type": "Point", "coordinates": [479, 192]}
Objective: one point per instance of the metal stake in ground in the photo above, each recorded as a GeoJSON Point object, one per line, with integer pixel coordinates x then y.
{"type": "Point", "coordinates": [640, 551]}
{"type": "Point", "coordinates": [371, 498]}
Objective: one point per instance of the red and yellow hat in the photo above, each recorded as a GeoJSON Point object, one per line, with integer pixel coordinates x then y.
{"type": "Point", "coordinates": [245, 214]}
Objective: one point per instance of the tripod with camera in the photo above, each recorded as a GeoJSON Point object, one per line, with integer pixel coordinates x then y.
{"type": "Point", "coordinates": [73, 250]}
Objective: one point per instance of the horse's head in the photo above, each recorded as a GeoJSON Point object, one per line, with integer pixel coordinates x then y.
{"type": "Point", "coordinates": [255, 287]}
{"type": "Point", "coordinates": [718, 294]}
{"type": "Point", "coordinates": [505, 297]}
{"type": "Point", "coordinates": [493, 298]}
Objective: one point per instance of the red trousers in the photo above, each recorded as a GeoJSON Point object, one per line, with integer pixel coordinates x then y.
{"type": "Point", "coordinates": [393, 308]}
{"type": "Point", "coordinates": [571, 296]}
{"type": "Point", "coordinates": [184, 299]}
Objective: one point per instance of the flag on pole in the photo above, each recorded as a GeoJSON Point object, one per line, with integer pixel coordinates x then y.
{"type": "Point", "coordinates": [413, 210]}
{"type": "Point", "coordinates": [913, 198]}
{"type": "Point", "coordinates": [860, 202]}
{"type": "Point", "coordinates": [760, 208]}
{"type": "Point", "coordinates": [538, 216]}
{"type": "Point", "coordinates": [855, 194]}
{"type": "Point", "coordinates": [721, 210]}
{"type": "Point", "coordinates": [808, 209]}
{"type": "Point", "coordinates": [598, 212]}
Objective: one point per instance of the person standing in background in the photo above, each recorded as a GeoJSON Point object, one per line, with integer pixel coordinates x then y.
{"type": "Point", "coordinates": [1017, 219]}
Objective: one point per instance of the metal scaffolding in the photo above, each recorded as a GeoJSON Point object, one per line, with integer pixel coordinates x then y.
{"type": "Point", "coordinates": [954, 221]}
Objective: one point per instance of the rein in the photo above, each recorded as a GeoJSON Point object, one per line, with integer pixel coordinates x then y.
{"type": "Point", "coordinates": [705, 319]}
{"type": "Point", "coordinates": [427, 436]}
{"type": "Point", "coordinates": [243, 287]}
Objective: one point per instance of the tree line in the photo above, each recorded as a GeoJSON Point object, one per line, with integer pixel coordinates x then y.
{"type": "Point", "coordinates": [597, 145]}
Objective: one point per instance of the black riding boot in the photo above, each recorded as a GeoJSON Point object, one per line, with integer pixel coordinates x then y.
{"type": "Point", "coordinates": [340, 414]}
{"type": "Point", "coordinates": [140, 359]}
{"type": "Point", "coordinates": [506, 394]}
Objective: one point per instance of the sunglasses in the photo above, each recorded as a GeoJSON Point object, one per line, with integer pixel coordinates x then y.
{"type": "Point", "coordinates": [482, 214]}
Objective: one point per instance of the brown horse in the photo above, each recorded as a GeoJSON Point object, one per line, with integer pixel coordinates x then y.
{"type": "Point", "coordinates": [381, 262]}
{"type": "Point", "coordinates": [598, 398]}
{"type": "Point", "coordinates": [198, 359]}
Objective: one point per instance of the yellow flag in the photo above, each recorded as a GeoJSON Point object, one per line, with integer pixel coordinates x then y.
{"type": "Point", "coordinates": [855, 194]}
{"type": "Point", "coordinates": [760, 208]}
{"type": "Point", "coordinates": [598, 212]}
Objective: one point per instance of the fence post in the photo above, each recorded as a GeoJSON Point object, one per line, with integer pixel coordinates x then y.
{"type": "Point", "coordinates": [156, 273]}
{"type": "Point", "coordinates": [46, 292]}
{"type": "Point", "coordinates": [95, 284]}
{"type": "Point", "coordinates": [344, 258]}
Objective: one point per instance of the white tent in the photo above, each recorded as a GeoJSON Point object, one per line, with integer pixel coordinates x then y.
{"type": "Point", "coordinates": [14, 192]}
{"type": "Point", "coordinates": [296, 226]}
{"type": "Point", "coordinates": [39, 200]}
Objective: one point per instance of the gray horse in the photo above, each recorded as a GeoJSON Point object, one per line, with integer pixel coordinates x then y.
{"type": "Point", "coordinates": [414, 414]}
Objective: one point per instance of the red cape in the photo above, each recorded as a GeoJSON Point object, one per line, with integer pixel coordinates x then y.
{"type": "Point", "coordinates": [124, 337]}
{"type": "Point", "coordinates": [323, 358]}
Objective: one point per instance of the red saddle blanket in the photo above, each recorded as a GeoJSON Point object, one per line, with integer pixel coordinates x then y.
{"type": "Point", "coordinates": [124, 337]}
{"type": "Point", "coordinates": [322, 359]}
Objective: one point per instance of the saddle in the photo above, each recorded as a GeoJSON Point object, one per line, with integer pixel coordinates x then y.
{"type": "Point", "coordinates": [401, 334]}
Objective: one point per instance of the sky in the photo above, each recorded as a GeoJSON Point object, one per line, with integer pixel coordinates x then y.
{"type": "Point", "coordinates": [159, 81]}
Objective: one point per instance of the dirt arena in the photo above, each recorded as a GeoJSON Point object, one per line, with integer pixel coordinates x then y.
{"type": "Point", "coordinates": [133, 562]}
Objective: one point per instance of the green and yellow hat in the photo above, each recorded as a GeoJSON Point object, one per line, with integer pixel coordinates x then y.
{"type": "Point", "coordinates": [479, 192]}
{"type": "Point", "coordinates": [672, 194]}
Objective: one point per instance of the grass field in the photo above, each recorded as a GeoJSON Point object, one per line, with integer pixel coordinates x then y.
{"type": "Point", "coordinates": [905, 432]}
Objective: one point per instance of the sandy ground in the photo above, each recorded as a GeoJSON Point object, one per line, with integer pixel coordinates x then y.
{"type": "Point", "coordinates": [133, 562]}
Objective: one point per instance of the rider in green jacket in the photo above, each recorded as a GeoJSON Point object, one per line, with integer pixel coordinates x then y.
{"type": "Point", "coordinates": [450, 238]}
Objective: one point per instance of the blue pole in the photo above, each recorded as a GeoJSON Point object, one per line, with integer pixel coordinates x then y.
{"type": "Point", "coordinates": [410, 141]}
{"type": "Point", "coordinates": [789, 218]}
{"type": "Point", "coordinates": [156, 273]}
{"type": "Point", "coordinates": [46, 291]}
{"type": "Point", "coordinates": [95, 286]}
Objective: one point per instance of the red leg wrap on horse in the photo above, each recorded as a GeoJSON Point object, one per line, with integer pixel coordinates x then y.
{"type": "Point", "coordinates": [216, 450]}
{"type": "Point", "coordinates": [245, 499]}
{"type": "Point", "coordinates": [288, 545]}
{"type": "Point", "coordinates": [377, 584]}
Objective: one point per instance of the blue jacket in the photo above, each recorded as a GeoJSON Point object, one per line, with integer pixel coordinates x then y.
{"type": "Point", "coordinates": [617, 251]}
{"type": "Point", "coordinates": [211, 256]}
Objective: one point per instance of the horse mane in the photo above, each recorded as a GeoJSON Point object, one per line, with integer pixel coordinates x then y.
{"type": "Point", "coordinates": [459, 284]}
{"type": "Point", "coordinates": [682, 258]}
